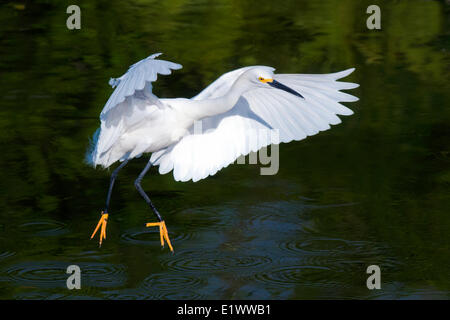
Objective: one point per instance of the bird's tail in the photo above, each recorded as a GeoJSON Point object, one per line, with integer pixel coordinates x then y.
{"type": "Point", "coordinates": [91, 152]}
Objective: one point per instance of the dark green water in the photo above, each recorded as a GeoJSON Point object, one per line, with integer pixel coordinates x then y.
{"type": "Point", "coordinates": [373, 190]}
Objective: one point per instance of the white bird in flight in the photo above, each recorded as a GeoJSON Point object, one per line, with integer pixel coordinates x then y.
{"type": "Point", "coordinates": [230, 110]}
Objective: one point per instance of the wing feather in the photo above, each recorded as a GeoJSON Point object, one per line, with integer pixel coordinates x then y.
{"type": "Point", "coordinates": [130, 103]}
{"type": "Point", "coordinates": [136, 77]}
{"type": "Point", "coordinates": [261, 117]}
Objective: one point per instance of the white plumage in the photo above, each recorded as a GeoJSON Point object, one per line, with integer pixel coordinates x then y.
{"type": "Point", "coordinates": [242, 111]}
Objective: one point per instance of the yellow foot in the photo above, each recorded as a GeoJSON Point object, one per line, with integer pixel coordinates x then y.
{"type": "Point", "coordinates": [162, 232]}
{"type": "Point", "coordinates": [102, 223]}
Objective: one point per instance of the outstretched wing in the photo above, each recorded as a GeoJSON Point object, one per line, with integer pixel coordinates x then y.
{"type": "Point", "coordinates": [260, 117]}
{"type": "Point", "coordinates": [131, 102]}
{"type": "Point", "coordinates": [138, 76]}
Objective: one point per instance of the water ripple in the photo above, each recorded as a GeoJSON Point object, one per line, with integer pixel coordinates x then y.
{"type": "Point", "coordinates": [43, 295]}
{"type": "Point", "coordinates": [206, 218]}
{"type": "Point", "coordinates": [150, 236]}
{"type": "Point", "coordinates": [337, 254]}
{"type": "Point", "coordinates": [180, 295]}
{"type": "Point", "coordinates": [209, 261]}
{"type": "Point", "coordinates": [294, 275]}
{"type": "Point", "coordinates": [103, 274]}
{"type": "Point", "coordinates": [173, 282]}
{"type": "Point", "coordinates": [319, 247]}
{"type": "Point", "coordinates": [52, 274]}
{"type": "Point", "coordinates": [145, 293]}
{"type": "Point", "coordinates": [6, 254]}
{"type": "Point", "coordinates": [44, 228]}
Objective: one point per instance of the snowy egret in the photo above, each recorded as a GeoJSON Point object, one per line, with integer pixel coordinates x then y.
{"type": "Point", "coordinates": [134, 121]}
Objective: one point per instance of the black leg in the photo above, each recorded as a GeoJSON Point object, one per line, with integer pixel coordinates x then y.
{"type": "Point", "coordinates": [104, 218]}
{"type": "Point", "coordinates": [111, 184]}
{"type": "Point", "coordinates": [137, 184]}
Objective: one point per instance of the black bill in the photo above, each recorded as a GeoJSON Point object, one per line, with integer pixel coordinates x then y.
{"type": "Point", "coordinates": [281, 86]}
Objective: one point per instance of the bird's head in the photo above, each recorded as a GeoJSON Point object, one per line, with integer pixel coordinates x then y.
{"type": "Point", "coordinates": [264, 77]}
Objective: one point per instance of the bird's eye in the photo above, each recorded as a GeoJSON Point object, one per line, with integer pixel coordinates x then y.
{"type": "Point", "coordinates": [260, 78]}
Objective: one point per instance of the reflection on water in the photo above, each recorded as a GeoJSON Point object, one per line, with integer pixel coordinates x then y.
{"type": "Point", "coordinates": [373, 190]}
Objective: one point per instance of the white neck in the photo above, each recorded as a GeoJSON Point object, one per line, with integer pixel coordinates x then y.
{"type": "Point", "coordinates": [210, 107]}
